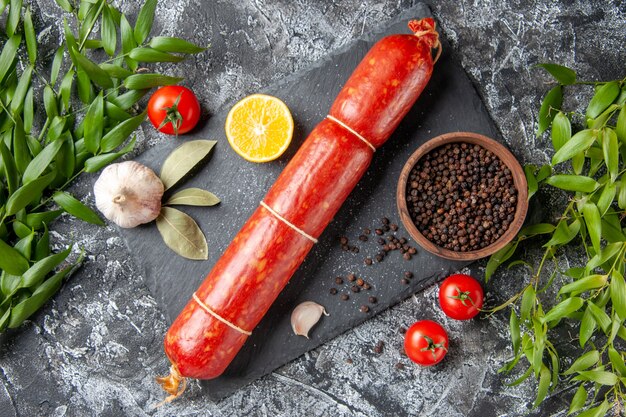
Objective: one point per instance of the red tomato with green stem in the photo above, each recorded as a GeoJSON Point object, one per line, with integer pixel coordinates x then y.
{"type": "Point", "coordinates": [426, 343]}
{"type": "Point", "coordinates": [174, 110]}
{"type": "Point", "coordinates": [461, 297]}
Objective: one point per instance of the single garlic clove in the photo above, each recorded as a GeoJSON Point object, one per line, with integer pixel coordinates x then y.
{"type": "Point", "coordinates": [129, 194]}
{"type": "Point", "coordinates": [305, 316]}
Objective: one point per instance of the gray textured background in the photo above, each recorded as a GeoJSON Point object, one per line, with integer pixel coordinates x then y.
{"type": "Point", "coordinates": [95, 349]}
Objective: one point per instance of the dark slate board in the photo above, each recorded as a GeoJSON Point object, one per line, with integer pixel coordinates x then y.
{"type": "Point", "coordinates": [449, 103]}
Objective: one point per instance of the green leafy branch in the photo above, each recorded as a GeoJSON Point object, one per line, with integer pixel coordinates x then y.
{"type": "Point", "coordinates": [61, 120]}
{"type": "Point", "coordinates": [592, 167]}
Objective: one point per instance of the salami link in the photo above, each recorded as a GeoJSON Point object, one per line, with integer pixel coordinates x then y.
{"type": "Point", "coordinates": [272, 244]}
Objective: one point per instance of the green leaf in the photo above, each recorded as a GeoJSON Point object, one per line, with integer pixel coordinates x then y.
{"type": "Point", "coordinates": [621, 199]}
{"type": "Point", "coordinates": [544, 384]}
{"type": "Point", "coordinates": [141, 54]}
{"type": "Point", "coordinates": [42, 248]}
{"type": "Point", "coordinates": [544, 172]}
{"type": "Point", "coordinates": [580, 142]}
{"type": "Point", "coordinates": [14, 17]}
{"type": "Point", "coordinates": [611, 230]}
{"type": "Point", "coordinates": [169, 44]}
{"type": "Point", "coordinates": [193, 197]}
{"type": "Point", "coordinates": [85, 90]}
{"type": "Point", "coordinates": [66, 88]}
{"type": "Point", "coordinates": [144, 21]}
{"type": "Point", "coordinates": [128, 99]}
{"type": "Point", "coordinates": [550, 105]}
{"type": "Point", "coordinates": [56, 65]}
{"type": "Point", "coordinates": [27, 193]}
{"type": "Point", "coordinates": [94, 163]}
{"type": "Point", "coordinates": [562, 309]}
{"type": "Point", "coordinates": [115, 113]}
{"type": "Point", "coordinates": [585, 361]}
{"type": "Point", "coordinates": [514, 329]}
{"type": "Point", "coordinates": [537, 229]}
{"type": "Point", "coordinates": [42, 294]}
{"type": "Point", "coordinates": [10, 170]}
{"type": "Point", "coordinates": [560, 73]}
{"type": "Point", "coordinates": [182, 234]}
{"type": "Point", "coordinates": [610, 147]}
{"type": "Point", "coordinates": [587, 327]}
{"type": "Point", "coordinates": [620, 126]}
{"type": "Point", "coordinates": [93, 44]}
{"type": "Point", "coordinates": [9, 56]}
{"type": "Point", "coordinates": [618, 294]}
{"type": "Point", "coordinates": [20, 146]}
{"type": "Point", "coordinates": [11, 261]}
{"type": "Point", "coordinates": [600, 377]}
{"type": "Point", "coordinates": [584, 284]}
{"type": "Point", "coordinates": [594, 224]}
{"type": "Point", "coordinates": [600, 316]}
{"type": "Point", "coordinates": [528, 301]}
{"type": "Point", "coordinates": [531, 180]}
{"type": "Point", "coordinates": [606, 198]}
{"type": "Point", "coordinates": [65, 5]}
{"type": "Point", "coordinates": [37, 220]}
{"type": "Point", "coordinates": [570, 182]}
{"type": "Point", "coordinates": [66, 158]}
{"type": "Point", "coordinates": [76, 208]}
{"type": "Point", "coordinates": [39, 164]}
{"type": "Point", "coordinates": [116, 136]}
{"type": "Point", "coordinates": [94, 124]}
{"type": "Point", "coordinates": [36, 273]}
{"type": "Point", "coordinates": [56, 129]}
{"type": "Point", "coordinates": [617, 361]}
{"type": "Point", "coordinates": [95, 73]}
{"type": "Point", "coordinates": [29, 34]}
{"type": "Point", "coordinates": [561, 130]}
{"type": "Point", "coordinates": [29, 111]}
{"type": "Point", "coordinates": [70, 40]}
{"type": "Point", "coordinates": [20, 229]}
{"type": "Point", "coordinates": [183, 159]}
{"type": "Point", "coordinates": [522, 378]}
{"type": "Point", "coordinates": [25, 245]}
{"type": "Point", "coordinates": [143, 81]}
{"type": "Point", "coordinates": [17, 102]}
{"type": "Point", "coordinates": [107, 31]}
{"type": "Point", "coordinates": [604, 96]}
{"type": "Point", "coordinates": [579, 400]}
{"type": "Point", "coordinates": [116, 71]}
{"type": "Point", "coordinates": [128, 42]}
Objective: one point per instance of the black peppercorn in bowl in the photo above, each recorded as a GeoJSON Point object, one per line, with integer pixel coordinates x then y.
{"type": "Point", "coordinates": [462, 196]}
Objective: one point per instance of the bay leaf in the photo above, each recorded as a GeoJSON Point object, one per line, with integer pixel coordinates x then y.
{"type": "Point", "coordinates": [183, 159]}
{"type": "Point", "coordinates": [193, 197]}
{"type": "Point", "coordinates": [182, 234]}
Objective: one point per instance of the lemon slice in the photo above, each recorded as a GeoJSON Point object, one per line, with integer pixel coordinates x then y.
{"type": "Point", "coordinates": [259, 128]}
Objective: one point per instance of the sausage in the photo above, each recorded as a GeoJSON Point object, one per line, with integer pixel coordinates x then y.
{"type": "Point", "coordinates": [275, 240]}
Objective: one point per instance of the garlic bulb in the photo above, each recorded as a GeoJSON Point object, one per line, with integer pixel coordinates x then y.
{"type": "Point", "coordinates": [129, 194]}
{"type": "Point", "coordinates": [305, 316]}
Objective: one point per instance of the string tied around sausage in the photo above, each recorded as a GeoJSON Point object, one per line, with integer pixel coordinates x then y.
{"type": "Point", "coordinates": [426, 29]}
{"type": "Point", "coordinates": [354, 132]}
{"type": "Point", "coordinates": [287, 222]}
{"type": "Point", "coordinates": [174, 384]}
{"type": "Point", "coordinates": [206, 308]}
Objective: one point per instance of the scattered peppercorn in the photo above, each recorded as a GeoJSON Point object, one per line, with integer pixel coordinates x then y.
{"type": "Point", "coordinates": [354, 249]}
{"type": "Point", "coordinates": [368, 261]}
{"type": "Point", "coordinates": [349, 361]}
{"type": "Point", "coordinates": [355, 288]}
{"type": "Point", "coordinates": [399, 366]}
{"type": "Point", "coordinates": [372, 299]}
{"type": "Point", "coordinates": [379, 347]}
{"type": "Point", "coordinates": [408, 274]}
{"type": "Point", "coordinates": [402, 330]}
{"type": "Point", "coordinates": [366, 286]}
{"type": "Point", "coordinates": [364, 309]}
{"type": "Point", "coordinates": [461, 197]}
{"type": "Point", "coordinates": [379, 232]}
{"type": "Point", "coordinates": [381, 241]}
{"type": "Point", "coordinates": [351, 277]}
{"type": "Point", "coordinates": [345, 297]}
{"type": "Point", "coordinates": [363, 238]}
{"type": "Point", "coordinates": [360, 282]}
{"type": "Point", "coordinates": [393, 227]}
{"type": "Point", "coordinates": [404, 281]}
{"type": "Point", "coordinates": [385, 220]}
{"type": "Point", "coordinates": [379, 258]}
{"type": "Point", "coordinates": [333, 291]}
{"type": "Point", "coordinates": [338, 281]}
{"type": "Point", "coordinates": [407, 256]}
{"type": "Point", "coordinates": [343, 240]}
{"type": "Point", "coordinates": [367, 231]}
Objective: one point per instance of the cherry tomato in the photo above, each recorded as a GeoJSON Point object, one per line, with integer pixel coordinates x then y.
{"type": "Point", "coordinates": [174, 109]}
{"type": "Point", "coordinates": [426, 343]}
{"type": "Point", "coordinates": [460, 297]}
